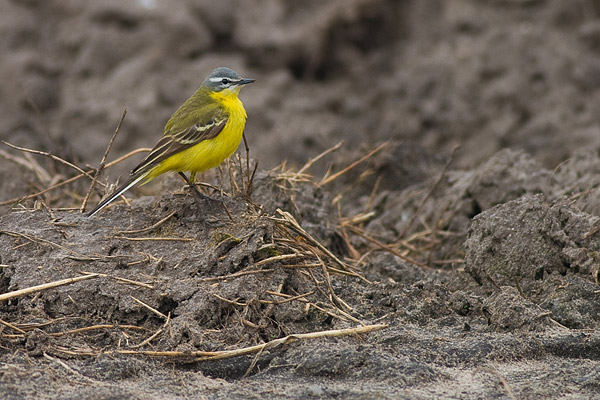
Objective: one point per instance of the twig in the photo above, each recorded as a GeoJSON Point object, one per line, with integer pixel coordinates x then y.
{"type": "Point", "coordinates": [219, 355]}
{"type": "Point", "coordinates": [373, 193]}
{"type": "Point", "coordinates": [165, 238]}
{"type": "Point", "coordinates": [305, 265]}
{"type": "Point", "coordinates": [234, 302]}
{"type": "Point", "coordinates": [275, 258]}
{"type": "Point", "coordinates": [311, 161]}
{"type": "Point", "coordinates": [52, 156]}
{"type": "Point", "coordinates": [249, 187]}
{"type": "Point", "coordinates": [73, 179]}
{"type": "Point", "coordinates": [152, 309]}
{"type": "Point", "coordinates": [287, 299]}
{"type": "Point", "coordinates": [71, 370]}
{"type": "Point", "coordinates": [235, 275]}
{"type": "Point", "coordinates": [119, 279]}
{"type": "Point", "coordinates": [232, 183]}
{"type": "Point", "coordinates": [32, 238]}
{"type": "Point", "coordinates": [28, 163]}
{"type": "Point", "coordinates": [38, 288]}
{"type": "Point", "coordinates": [335, 300]}
{"type": "Point", "coordinates": [291, 221]}
{"type": "Point", "coordinates": [11, 326]}
{"type": "Point", "coordinates": [150, 228]}
{"type": "Point", "coordinates": [296, 226]}
{"type": "Point", "coordinates": [387, 248]}
{"type": "Point", "coordinates": [592, 232]}
{"type": "Point", "coordinates": [239, 160]}
{"type": "Point", "coordinates": [158, 332]}
{"type": "Point", "coordinates": [102, 162]}
{"type": "Point", "coordinates": [269, 309]}
{"type": "Point", "coordinates": [333, 177]}
{"type": "Point", "coordinates": [502, 379]}
{"type": "Point", "coordinates": [253, 363]}
{"type": "Point", "coordinates": [430, 192]}
{"type": "Point", "coordinates": [93, 328]}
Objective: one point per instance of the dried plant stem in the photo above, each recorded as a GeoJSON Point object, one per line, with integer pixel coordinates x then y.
{"type": "Point", "coordinates": [94, 328]}
{"type": "Point", "coordinates": [287, 217]}
{"type": "Point", "coordinates": [219, 355]}
{"type": "Point", "coordinates": [151, 309]}
{"type": "Point", "coordinates": [274, 259]}
{"type": "Point", "coordinates": [328, 179]}
{"type": "Point", "coordinates": [102, 162]}
{"type": "Point", "coordinates": [235, 275]}
{"type": "Point", "coordinates": [158, 332]}
{"type": "Point", "coordinates": [11, 326]}
{"type": "Point", "coordinates": [165, 238]}
{"type": "Point", "coordinates": [39, 288]}
{"type": "Point", "coordinates": [428, 195]}
{"type": "Point", "coordinates": [249, 182]}
{"type": "Point", "coordinates": [502, 379]}
{"type": "Point", "coordinates": [50, 155]}
{"type": "Point", "coordinates": [317, 158]}
{"type": "Point", "coordinates": [387, 248]}
{"type": "Point", "coordinates": [287, 299]}
{"type": "Point", "coordinates": [150, 228]}
{"type": "Point", "coordinates": [119, 279]}
{"type": "Point", "coordinates": [73, 179]}
{"type": "Point", "coordinates": [32, 238]}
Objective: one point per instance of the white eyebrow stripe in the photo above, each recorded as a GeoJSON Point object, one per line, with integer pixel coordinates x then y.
{"type": "Point", "coordinates": [219, 79]}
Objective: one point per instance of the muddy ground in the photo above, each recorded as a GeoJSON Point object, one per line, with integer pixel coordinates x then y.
{"type": "Point", "coordinates": [477, 266]}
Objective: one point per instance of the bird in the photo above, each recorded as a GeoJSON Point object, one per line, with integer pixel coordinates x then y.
{"type": "Point", "coordinates": [200, 135]}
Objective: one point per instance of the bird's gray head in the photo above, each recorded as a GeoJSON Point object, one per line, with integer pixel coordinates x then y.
{"type": "Point", "coordinates": [225, 78]}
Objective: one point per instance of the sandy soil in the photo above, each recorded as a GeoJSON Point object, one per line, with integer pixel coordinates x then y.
{"type": "Point", "coordinates": [477, 267]}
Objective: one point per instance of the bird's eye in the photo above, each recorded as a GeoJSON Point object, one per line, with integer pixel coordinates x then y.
{"type": "Point", "coordinates": [225, 81]}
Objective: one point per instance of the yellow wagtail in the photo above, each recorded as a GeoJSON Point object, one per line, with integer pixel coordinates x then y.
{"type": "Point", "coordinates": [200, 135]}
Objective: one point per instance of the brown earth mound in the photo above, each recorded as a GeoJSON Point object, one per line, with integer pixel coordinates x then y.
{"type": "Point", "coordinates": [419, 271]}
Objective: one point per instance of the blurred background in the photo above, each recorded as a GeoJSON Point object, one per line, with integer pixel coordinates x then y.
{"type": "Point", "coordinates": [426, 73]}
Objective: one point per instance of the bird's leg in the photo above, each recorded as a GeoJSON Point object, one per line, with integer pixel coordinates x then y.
{"type": "Point", "coordinates": [194, 188]}
{"type": "Point", "coordinates": [202, 196]}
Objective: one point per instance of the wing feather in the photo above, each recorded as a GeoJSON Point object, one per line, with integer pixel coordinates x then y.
{"type": "Point", "coordinates": [175, 142]}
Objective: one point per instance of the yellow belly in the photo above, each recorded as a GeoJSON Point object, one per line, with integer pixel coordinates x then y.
{"type": "Point", "coordinates": [208, 153]}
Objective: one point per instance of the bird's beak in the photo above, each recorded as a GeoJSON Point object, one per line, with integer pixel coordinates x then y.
{"type": "Point", "coordinates": [246, 81]}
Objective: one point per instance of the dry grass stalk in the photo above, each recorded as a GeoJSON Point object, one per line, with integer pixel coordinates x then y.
{"type": "Point", "coordinates": [232, 302]}
{"type": "Point", "coordinates": [45, 286]}
{"type": "Point", "coordinates": [328, 179]}
{"type": "Point", "coordinates": [70, 180]}
{"type": "Point", "coordinates": [155, 335]}
{"type": "Point", "coordinates": [220, 355]}
{"type": "Point", "coordinates": [166, 238]}
{"type": "Point", "coordinates": [502, 379]}
{"type": "Point", "coordinates": [312, 161]}
{"type": "Point", "coordinates": [69, 369]}
{"type": "Point", "coordinates": [150, 228]}
{"type": "Point", "coordinates": [387, 248]}
{"type": "Point", "coordinates": [151, 309]}
{"type": "Point", "coordinates": [34, 239]}
{"type": "Point", "coordinates": [102, 162]}
{"type": "Point", "coordinates": [287, 299]}
{"type": "Point", "coordinates": [50, 155]}
{"type": "Point", "coordinates": [235, 275]}
{"type": "Point", "coordinates": [94, 328]}
{"type": "Point", "coordinates": [291, 222]}
{"type": "Point", "coordinates": [11, 326]}
{"type": "Point", "coordinates": [429, 193]}
{"type": "Point", "coordinates": [29, 164]}
{"type": "Point", "coordinates": [119, 279]}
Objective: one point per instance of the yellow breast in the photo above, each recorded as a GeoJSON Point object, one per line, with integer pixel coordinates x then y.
{"type": "Point", "coordinates": [210, 153]}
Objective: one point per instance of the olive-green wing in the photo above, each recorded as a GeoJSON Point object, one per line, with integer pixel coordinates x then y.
{"type": "Point", "coordinates": [175, 142]}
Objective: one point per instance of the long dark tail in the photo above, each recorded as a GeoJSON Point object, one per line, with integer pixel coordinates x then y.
{"type": "Point", "coordinates": [135, 178]}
